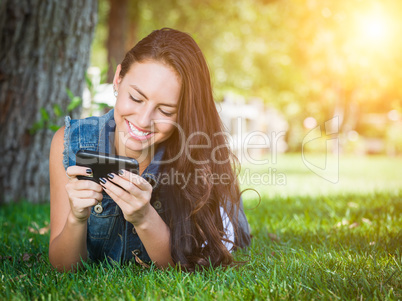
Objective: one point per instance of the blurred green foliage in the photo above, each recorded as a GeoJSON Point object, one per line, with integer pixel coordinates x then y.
{"type": "Point", "coordinates": [48, 122]}
{"type": "Point", "coordinates": [304, 57]}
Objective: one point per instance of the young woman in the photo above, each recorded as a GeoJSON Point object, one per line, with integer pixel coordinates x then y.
{"type": "Point", "coordinates": [184, 207]}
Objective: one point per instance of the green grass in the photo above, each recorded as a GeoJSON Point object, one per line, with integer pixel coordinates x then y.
{"type": "Point", "coordinates": [312, 240]}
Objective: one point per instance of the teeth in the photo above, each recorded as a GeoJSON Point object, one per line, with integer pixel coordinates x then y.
{"type": "Point", "coordinates": [137, 132]}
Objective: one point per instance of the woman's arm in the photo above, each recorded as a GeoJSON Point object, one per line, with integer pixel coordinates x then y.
{"type": "Point", "coordinates": [155, 235]}
{"type": "Point", "coordinates": [68, 227]}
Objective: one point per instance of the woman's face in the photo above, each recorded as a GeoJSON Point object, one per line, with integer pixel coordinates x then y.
{"type": "Point", "coordinates": [146, 107]}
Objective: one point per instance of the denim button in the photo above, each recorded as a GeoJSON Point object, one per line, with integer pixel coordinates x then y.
{"type": "Point", "coordinates": [134, 231]}
{"type": "Point", "coordinates": [137, 252]}
{"type": "Point", "coordinates": [98, 208]}
{"type": "Point", "coordinates": [157, 205]}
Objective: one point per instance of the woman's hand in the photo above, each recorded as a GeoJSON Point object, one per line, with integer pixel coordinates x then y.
{"type": "Point", "coordinates": [83, 194]}
{"type": "Point", "coordinates": [134, 199]}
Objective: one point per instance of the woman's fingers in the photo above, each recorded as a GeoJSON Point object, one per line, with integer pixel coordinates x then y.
{"type": "Point", "coordinates": [80, 203]}
{"type": "Point", "coordinates": [82, 200]}
{"type": "Point", "coordinates": [75, 170]}
{"type": "Point", "coordinates": [135, 179]}
{"type": "Point", "coordinates": [117, 192]}
{"type": "Point", "coordinates": [123, 183]}
{"type": "Point", "coordinates": [82, 194]}
{"type": "Point", "coordinates": [87, 185]}
{"type": "Point", "coordinates": [134, 206]}
{"type": "Point", "coordinates": [132, 194]}
{"type": "Point", "coordinates": [84, 189]}
{"type": "Point", "coordinates": [87, 194]}
{"type": "Point", "coordinates": [132, 184]}
{"type": "Point", "coordinates": [80, 208]}
{"type": "Point", "coordinates": [139, 188]}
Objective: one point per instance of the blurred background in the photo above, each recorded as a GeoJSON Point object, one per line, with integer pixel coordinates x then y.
{"type": "Point", "coordinates": [311, 93]}
{"type": "Point", "coordinates": [291, 77]}
{"type": "Point", "coordinates": [283, 66]}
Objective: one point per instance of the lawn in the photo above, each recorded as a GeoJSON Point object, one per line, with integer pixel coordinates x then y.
{"type": "Point", "coordinates": [312, 239]}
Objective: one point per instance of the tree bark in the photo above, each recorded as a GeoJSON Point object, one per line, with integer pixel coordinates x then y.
{"type": "Point", "coordinates": [44, 49]}
{"type": "Point", "coordinates": [132, 26]}
{"type": "Point", "coordinates": [117, 26]}
{"type": "Point", "coordinates": [123, 32]}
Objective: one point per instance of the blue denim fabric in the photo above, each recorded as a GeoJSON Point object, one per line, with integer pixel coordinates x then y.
{"type": "Point", "coordinates": [109, 235]}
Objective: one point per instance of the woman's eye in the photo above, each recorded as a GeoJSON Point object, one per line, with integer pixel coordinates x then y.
{"type": "Point", "coordinates": [166, 113]}
{"type": "Point", "coordinates": [136, 100]}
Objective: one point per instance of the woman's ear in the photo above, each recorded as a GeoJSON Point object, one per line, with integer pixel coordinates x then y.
{"type": "Point", "coordinates": [117, 79]}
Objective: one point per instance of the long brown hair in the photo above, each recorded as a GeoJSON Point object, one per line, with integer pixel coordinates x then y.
{"type": "Point", "coordinates": [193, 216]}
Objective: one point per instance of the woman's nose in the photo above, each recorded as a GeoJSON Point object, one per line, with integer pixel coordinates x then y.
{"type": "Point", "coordinates": [145, 118]}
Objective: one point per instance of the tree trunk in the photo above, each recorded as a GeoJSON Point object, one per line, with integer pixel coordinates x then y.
{"type": "Point", "coordinates": [44, 49]}
{"type": "Point", "coordinates": [132, 26]}
{"type": "Point", "coordinates": [117, 26]}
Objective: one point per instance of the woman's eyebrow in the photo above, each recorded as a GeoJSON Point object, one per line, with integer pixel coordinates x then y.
{"type": "Point", "coordinates": [139, 91]}
{"type": "Point", "coordinates": [143, 94]}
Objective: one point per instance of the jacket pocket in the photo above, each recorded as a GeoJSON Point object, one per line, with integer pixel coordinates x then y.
{"type": "Point", "coordinates": [100, 225]}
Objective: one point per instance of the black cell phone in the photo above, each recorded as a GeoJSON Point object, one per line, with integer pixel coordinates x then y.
{"type": "Point", "coordinates": [102, 164]}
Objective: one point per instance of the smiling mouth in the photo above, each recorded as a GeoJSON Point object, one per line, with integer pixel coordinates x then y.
{"type": "Point", "coordinates": [136, 133]}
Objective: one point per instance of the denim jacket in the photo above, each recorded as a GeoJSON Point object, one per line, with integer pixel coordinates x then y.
{"type": "Point", "coordinates": [109, 235]}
